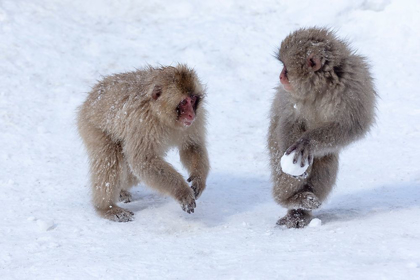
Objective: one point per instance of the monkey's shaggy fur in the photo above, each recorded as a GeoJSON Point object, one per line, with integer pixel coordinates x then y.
{"type": "Point", "coordinates": [326, 110]}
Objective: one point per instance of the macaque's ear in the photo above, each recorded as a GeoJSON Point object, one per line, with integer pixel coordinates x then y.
{"type": "Point", "coordinates": [157, 91]}
{"type": "Point", "coordinates": [314, 62]}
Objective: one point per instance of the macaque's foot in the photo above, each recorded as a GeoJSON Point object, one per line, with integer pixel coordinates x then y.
{"type": "Point", "coordinates": [125, 196]}
{"type": "Point", "coordinates": [295, 218]}
{"type": "Point", "coordinates": [196, 185]}
{"type": "Point", "coordinates": [188, 201]}
{"type": "Point", "coordinates": [306, 200]}
{"type": "Point", "coordinates": [118, 214]}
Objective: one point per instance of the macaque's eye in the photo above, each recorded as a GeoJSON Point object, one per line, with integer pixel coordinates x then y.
{"type": "Point", "coordinates": [183, 102]}
{"type": "Point", "coordinates": [193, 99]}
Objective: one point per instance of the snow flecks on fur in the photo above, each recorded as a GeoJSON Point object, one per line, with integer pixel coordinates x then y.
{"type": "Point", "coordinates": [53, 52]}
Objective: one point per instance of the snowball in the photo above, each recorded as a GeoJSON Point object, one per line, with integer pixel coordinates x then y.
{"type": "Point", "coordinates": [315, 223]}
{"type": "Point", "coordinates": [45, 225]}
{"type": "Point", "coordinates": [289, 167]}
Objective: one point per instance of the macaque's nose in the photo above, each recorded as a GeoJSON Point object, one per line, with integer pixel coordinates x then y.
{"type": "Point", "coordinates": [190, 116]}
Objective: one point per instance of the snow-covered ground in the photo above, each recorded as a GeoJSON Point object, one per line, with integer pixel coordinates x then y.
{"type": "Point", "coordinates": [52, 52]}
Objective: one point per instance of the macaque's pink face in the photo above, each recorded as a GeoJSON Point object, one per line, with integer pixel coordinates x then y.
{"type": "Point", "coordinates": [284, 80]}
{"type": "Point", "coordinates": [186, 110]}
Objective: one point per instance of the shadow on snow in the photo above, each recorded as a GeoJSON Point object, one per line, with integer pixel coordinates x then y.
{"type": "Point", "coordinates": [370, 202]}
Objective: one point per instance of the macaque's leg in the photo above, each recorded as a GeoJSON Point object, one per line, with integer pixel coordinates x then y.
{"type": "Point", "coordinates": [106, 170]}
{"type": "Point", "coordinates": [128, 181]}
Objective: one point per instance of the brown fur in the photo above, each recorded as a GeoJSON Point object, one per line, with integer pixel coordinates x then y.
{"type": "Point", "coordinates": [326, 110]}
{"type": "Point", "coordinates": [128, 122]}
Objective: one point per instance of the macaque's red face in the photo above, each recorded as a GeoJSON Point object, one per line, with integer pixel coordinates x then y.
{"type": "Point", "coordinates": [186, 110]}
{"type": "Point", "coordinates": [284, 80]}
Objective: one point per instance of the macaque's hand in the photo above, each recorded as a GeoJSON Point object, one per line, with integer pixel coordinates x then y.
{"type": "Point", "coordinates": [303, 151]}
{"type": "Point", "coordinates": [196, 185]}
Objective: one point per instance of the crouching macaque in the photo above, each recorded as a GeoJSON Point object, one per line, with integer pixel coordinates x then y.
{"type": "Point", "coordinates": [326, 101]}
{"type": "Point", "coordinates": [128, 123]}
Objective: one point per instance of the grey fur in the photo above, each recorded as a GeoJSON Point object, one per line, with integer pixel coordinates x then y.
{"type": "Point", "coordinates": [325, 111]}
{"type": "Point", "coordinates": [128, 122]}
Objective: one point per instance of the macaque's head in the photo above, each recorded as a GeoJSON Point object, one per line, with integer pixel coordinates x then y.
{"type": "Point", "coordinates": [311, 60]}
{"type": "Point", "coordinates": [177, 96]}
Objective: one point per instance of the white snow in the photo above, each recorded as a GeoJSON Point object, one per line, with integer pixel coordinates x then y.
{"type": "Point", "coordinates": [291, 168]}
{"type": "Point", "coordinates": [412, 265]}
{"type": "Point", "coordinates": [52, 52]}
{"type": "Point", "coordinates": [45, 225]}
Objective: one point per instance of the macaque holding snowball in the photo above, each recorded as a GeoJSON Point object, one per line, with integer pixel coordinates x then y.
{"type": "Point", "coordinates": [326, 102]}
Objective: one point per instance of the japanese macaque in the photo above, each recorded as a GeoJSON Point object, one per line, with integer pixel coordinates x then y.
{"type": "Point", "coordinates": [326, 101]}
{"type": "Point", "coordinates": [128, 123]}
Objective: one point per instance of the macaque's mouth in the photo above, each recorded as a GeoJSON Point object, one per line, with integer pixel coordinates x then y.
{"type": "Point", "coordinates": [187, 123]}
{"type": "Point", "coordinates": [287, 87]}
